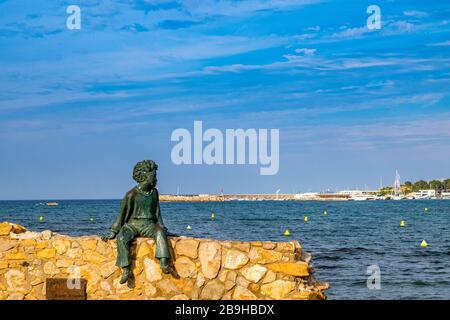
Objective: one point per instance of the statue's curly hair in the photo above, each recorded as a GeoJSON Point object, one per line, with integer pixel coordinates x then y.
{"type": "Point", "coordinates": [145, 165]}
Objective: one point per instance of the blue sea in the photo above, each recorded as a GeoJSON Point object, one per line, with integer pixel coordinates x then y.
{"type": "Point", "coordinates": [347, 240]}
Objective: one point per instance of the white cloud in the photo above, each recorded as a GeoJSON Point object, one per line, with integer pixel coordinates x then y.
{"type": "Point", "coordinates": [441, 44]}
{"type": "Point", "coordinates": [306, 51]}
{"type": "Point", "coordinates": [236, 8]}
{"type": "Point", "coordinates": [415, 14]}
{"type": "Point", "coordinates": [315, 28]}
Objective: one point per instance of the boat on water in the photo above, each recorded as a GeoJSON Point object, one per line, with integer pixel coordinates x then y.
{"type": "Point", "coordinates": [52, 204]}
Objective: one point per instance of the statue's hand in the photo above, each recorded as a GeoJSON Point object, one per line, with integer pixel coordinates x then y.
{"type": "Point", "coordinates": [111, 235]}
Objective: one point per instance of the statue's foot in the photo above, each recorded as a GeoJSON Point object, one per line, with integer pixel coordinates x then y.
{"type": "Point", "coordinates": [169, 270]}
{"type": "Point", "coordinates": [166, 269]}
{"type": "Point", "coordinates": [125, 275]}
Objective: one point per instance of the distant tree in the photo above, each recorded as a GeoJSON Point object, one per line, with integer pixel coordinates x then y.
{"type": "Point", "coordinates": [435, 185]}
{"type": "Point", "coordinates": [386, 190]}
{"type": "Point", "coordinates": [408, 184]}
{"type": "Point", "coordinates": [421, 185]}
{"type": "Point", "coordinates": [407, 188]}
{"type": "Point", "coordinates": [446, 184]}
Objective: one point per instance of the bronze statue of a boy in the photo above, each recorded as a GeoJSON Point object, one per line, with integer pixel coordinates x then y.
{"type": "Point", "coordinates": [140, 215]}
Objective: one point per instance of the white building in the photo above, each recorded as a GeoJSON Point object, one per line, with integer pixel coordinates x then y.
{"type": "Point", "coordinates": [357, 192]}
{"type": "Point", "coordinates": [445, 194]}
{"type": "Point", "coordinates": [430, 193]}
{"type": "Point", "coordinates": [307, 195]}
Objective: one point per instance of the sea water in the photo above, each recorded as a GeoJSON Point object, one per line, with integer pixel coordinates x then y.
{"type": "Point", "coordinates": [344, 243]}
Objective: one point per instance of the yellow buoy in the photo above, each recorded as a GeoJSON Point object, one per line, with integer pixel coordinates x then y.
{"type": "Point", "coordinates": [426, 209]}
{"type": "Point", "coordinates": [189, 227]}
{"type": "Point", "coordinates": [212, 216]}
{"type": "Point", "coordinates": [424, 244]}
{"type": "Point", "coordinates": [41, 218]}
{"type": "Point", "coordinates": [325, 213]}
{"type": "Point", "coordinates": [305, 218]}
{"type": "Point", "coordinates": [402, 223]}
{"type": "Point", "coordinates": [287, 233]}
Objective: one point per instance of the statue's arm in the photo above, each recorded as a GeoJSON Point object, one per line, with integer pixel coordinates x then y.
{"type": "Point", "coordinates": [158, 212]}
{"type": "Point", "coordinates": [118, 223]}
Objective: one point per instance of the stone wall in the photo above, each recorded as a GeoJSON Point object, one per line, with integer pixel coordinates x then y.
{"type": "Point", "coordinates": [208, 269]}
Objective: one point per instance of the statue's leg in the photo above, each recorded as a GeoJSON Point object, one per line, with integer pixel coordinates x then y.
{"type": "Point", "coordinates": [125, 236]}
{"type": "Point", "coordinates": [162, 243]}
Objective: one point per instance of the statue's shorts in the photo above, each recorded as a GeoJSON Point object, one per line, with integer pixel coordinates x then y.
{"type": "Point", "coordinates": [140, 228]}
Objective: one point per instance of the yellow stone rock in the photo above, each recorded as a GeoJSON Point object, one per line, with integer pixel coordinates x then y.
{"type": "Point", "coordinates": [50, 268]}
{"type": "Point", "coordinates": [152, 270]}
{"type": "Point", "coordinates": [254, 287]}
{"type": "Point", "coordinates": [17, 228]}
{"type": "Point", "coordinates": [229, 284]}
{"type": "Point", "coordinates": [61, 245]}
{"type": "Point", "coordinates": [210, 255]}
{"type": "Point", "coordinates": [74, 253]}
{"type": "Point", "coordinates": [260, 255]}
{"type": "Point", "coordinates": [15, 280]}
{"type": "Point", "coordinates": [5, 229]}
{"type": "Point", "coordinates": [138, 267]}
{"type": "Point", "coordinates": [242, 282]}
{"type": "Point", "coordinates": [46, 234]}
{"type": "Point", "coordinates": [277, 289]}
{"type": "Point", "coordinates": [213, 290]}
{"type": "Point", "coordinates": [200, 281]}
{"type": "Point", "coordinates": [234, 259]}
{"type": "Point", "coordinates": [243, 246]}
{"type": "Point", "coordinates": [37, 281]}
{"type": "Point", "coordinates": [241, 293]}
{"type": "Point", "coordinates": [150, 290]}
{"type": "Point", "coordinates": [143, 250]}
{"type": "Point", "coordinates": [3, 265]}
{"type": "Point", "coordinates": [298, 269]}
{"type": "Point", "coordinates": [108, 269]}
{"type": "Point", "coordinates": [187, 247]}
{"type": "Point", "coordinates": [254, 273]}
{"type": "Point", "coordinates": [185, 267]}
{"type": "Point", "coordinates": [179, 297]}
{"type": "Point", "coordinates": [47, 254]}
{"type": "Point", "coordinates": [88, 244]}
{"type": "Point", "coordinates": [93, 257]}
{"type": "Point", "coordinates": [299, 295]}
{"type": "Point", "coordinates": [269, 277]}
{"type": "Point", "coordinates": [16, 296]}
{"type": "Point", "coordinates": [41, 244]}
{"type": "Point", "coordinates": [228, 296]}
{"type": "Point", "coordinates": [167, 287]}
{"type": "Point", "coordinates": [190, 289]}
{"type": "Point", "coordinates": [286, 246]}
{"type": "Point", "coordinates": [64, 263]}
{"type": "Point", "coordinates": [104, 285]}
{"type": "Point", "coordinates": [6, 245]}
{"type": "Point", "coordinates": [14, 256]}
{"type": "Point", "coordinates": [28, 242]}
{"type": "Point", "coordinates": [269, 245]}
{"type": "Point", "coordinates": [104, 248]}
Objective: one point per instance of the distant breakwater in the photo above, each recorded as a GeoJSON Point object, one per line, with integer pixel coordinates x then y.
{"type": "Point", "coordinates": [249, 197]}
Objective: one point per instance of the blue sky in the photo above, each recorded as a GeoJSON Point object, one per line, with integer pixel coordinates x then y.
{"type": "Point", "coordinates": [79, 107]}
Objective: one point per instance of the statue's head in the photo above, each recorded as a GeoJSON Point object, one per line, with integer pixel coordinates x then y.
{"type": "Point", "coordinates": [144, 172]}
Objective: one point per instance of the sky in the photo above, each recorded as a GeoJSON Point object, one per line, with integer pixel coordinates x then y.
{"type": "Point", "coordinates": [78, 108]}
